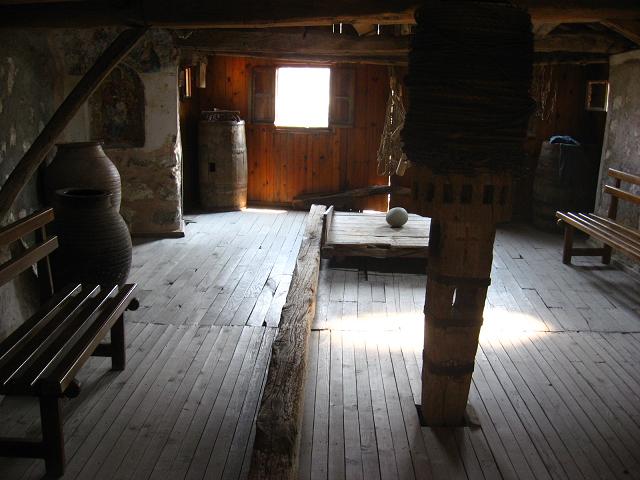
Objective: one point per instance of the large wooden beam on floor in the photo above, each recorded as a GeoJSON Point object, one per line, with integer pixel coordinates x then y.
{"type": "Point", "coordinates": [45, 141]}
{"type": "Point", "coordinates": [248, 13]}
{"type": "Point", "coordinates": [294, 41]}
{"type": "Point", "coordinates": [278, 426]}
{"type": "Point", "coordinates": [346, 198]}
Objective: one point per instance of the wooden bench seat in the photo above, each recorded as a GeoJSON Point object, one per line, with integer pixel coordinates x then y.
{"type": "Point", "coordinates": [607, 230]}
{"type": "Point", "coordinates": [43, 355]}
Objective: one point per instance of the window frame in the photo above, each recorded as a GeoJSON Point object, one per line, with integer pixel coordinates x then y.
{"type": "Point", "coordinates": [298, 129]}
{"type": "Point", "coordinates": [332, 123]}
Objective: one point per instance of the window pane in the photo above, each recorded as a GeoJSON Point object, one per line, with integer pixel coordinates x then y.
{"type": "Point", "coordinates": [302, 97]}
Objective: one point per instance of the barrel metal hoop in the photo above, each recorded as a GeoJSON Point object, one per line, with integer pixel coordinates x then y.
{"type": "Point", "coordinates": [452, 321]}
{"type": "Point", "coordinates": [458, 281]}
{"type": "Point", "coordinates": [448, 370]}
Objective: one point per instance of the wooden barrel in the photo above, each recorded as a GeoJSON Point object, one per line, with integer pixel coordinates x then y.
{"type": "Point", "coordinates": [222, 158]}
{"type": "Point", "coordinates": [549, 192]}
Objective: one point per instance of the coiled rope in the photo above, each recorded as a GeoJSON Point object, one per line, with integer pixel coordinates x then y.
{"type": "Point", "coordinates": [469, 81]}
{"type": "Point", "coordinates": [390, 153]}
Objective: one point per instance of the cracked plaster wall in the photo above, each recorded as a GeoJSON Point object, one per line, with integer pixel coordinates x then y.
{"type": "Point", "coordinates": [37, 70]}
{"type": "Point", "coordinates": [28, 88]}
{"type": "Point", "coordinates": [151, 174]}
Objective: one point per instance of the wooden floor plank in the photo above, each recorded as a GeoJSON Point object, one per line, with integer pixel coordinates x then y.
{"type": "Point", "coordinates": [336, 456]}
{"type": "Point", "coordinates": [306, 437]}
{"type": "Point", "coordinates": [320, 444]}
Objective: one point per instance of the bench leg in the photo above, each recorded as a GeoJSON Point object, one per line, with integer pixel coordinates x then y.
{"type": "Point", "coordinates": [52, 436]}
{"type": "Point", "coordinates": [606, 255]}
{"type": "Point", "coordinates": [568, 244]}
{"type": "Point", "coordinates": [118, 358]}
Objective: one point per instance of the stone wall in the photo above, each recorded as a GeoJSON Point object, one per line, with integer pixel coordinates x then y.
{"type": "Point", "coordinates": [37, 70]}
{"type": "Point", "coordinates": [28, 87]}
{"type": "Point", "coordinates": [622, 138]}
{"type": "Point", "coordinates": [151, 170]}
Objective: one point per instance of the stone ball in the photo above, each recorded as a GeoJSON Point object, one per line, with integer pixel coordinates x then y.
{"type": "Point", "coordinates": [397, 217]}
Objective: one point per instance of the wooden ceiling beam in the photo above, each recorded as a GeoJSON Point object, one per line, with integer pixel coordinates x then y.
{"type": "Point", "coordinates": [580, 43]}
{"type": "Point", "coordinates": [191, 14]}
{"type": "Point", "coordinates": [630, 29]}
{"type": "Point", "coordinates": [322, 45]}
{"type": "Point", "coordinates": [294, 42]}
{"type": "Point", "coordinates": [541, 30]}
{"type": "Point", "coordinates": [579, 11]}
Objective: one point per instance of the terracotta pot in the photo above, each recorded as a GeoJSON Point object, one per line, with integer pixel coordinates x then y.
{"type": "Point", "coordinates": [82, 165]}
{"type": "Point", "coordinates": [95, 244]}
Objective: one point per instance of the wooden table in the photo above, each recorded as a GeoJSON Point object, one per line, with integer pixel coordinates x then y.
{"type": "Point", "coordinates": [367, 234]}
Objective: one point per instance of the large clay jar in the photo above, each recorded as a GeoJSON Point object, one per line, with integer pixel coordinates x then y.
{"type": "Point", "coordinates": [95, 244]}
{"type": "Point", "coordinates": [82, 165]}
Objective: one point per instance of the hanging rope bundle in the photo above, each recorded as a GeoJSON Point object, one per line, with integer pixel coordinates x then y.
{"type": "Point", "coordinates": [390, 153]}
{"type": "Point", "coordinates": [470, 71]}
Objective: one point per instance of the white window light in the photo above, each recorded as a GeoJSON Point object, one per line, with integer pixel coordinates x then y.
{"type": "Point", "coordinates": [302, 97]}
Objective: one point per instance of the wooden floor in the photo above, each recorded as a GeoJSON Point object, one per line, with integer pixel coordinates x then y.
{"type": "Point", "coordinates": [555, 394]}
{"type": "Point", "coordinates": [198, 349]}
{"type": "Point", "coordinates": [556, 389]}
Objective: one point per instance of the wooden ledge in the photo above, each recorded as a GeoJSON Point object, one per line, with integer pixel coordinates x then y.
{"type": "Point", "coordinates": [279, 422]}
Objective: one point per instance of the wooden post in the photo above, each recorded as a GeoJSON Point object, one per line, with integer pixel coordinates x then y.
{"type": "Point", "coordinates": [52, 438]}
{"type": "Point", "coordinates": [28, 165]}
{"type": "Point", "coordinates": [464, 213]}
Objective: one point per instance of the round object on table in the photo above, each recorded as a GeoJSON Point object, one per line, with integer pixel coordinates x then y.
{"type": "Point", "coordinates": [397, 217]}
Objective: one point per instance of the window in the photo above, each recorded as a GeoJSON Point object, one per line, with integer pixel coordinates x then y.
{"type": "Point", "coordinates": [309, 97]}
{"type": "Point", "coordinates": [302, 97]}
{"type": "Point", "coordinates": [598, 96]}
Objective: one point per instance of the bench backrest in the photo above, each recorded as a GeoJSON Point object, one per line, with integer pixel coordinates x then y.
{"type": "Point", "coordinates": [618, 193]}
{"type": "Point", "coordinates": [38, 253]}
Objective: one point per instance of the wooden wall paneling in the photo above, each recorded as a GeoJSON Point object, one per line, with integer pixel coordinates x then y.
{"type": "Point", "coordinates": [376, 202]}
{"type": "Point", "coordinates": [315, 165]}
{"type": "Point", "coordinates": [341, 108]}
{"type": "Point", "coordinates": [269, 163]}
{"type": "Point", "coordinates": [189, 117]}
{"type": "Point", "coordinates": [284, 164]}
{"type": "Point", "coordinates": [292, 165]}
{"type": "Point", "coordinates": [252, 158]}
{"type": "Point", "coordinates": [263, 91]}
{"type": "Point", "coordinates": [343, 158]}
{"type": "Point", "coordinates": [381, 79]}
{"type": "Point", "coordinates": [335, 154]}
{"type": "Point", "coordinates": [255, 178]}
{"type": "Point", "coordinates": [565, 114]}
{"type": "Point", "coordinates": [358, 138]}
{"type": "Point", "coordinates": [309, 163]}
{"type": "Point", "coordinates": [281, 156]}
{"type": "Point", "coordinates": [299, 162]}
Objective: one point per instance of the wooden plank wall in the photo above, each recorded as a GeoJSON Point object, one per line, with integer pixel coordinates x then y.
{"type": "Point", "coordinates": [284, 163]}
{"type": "Point", "coordinates": [565, 115]}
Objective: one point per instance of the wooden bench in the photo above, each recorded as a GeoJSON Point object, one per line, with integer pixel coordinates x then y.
{"type": "Point", "coordinates": [42, 356]}
{"type": "Point", "coordinates": [605, 229]}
